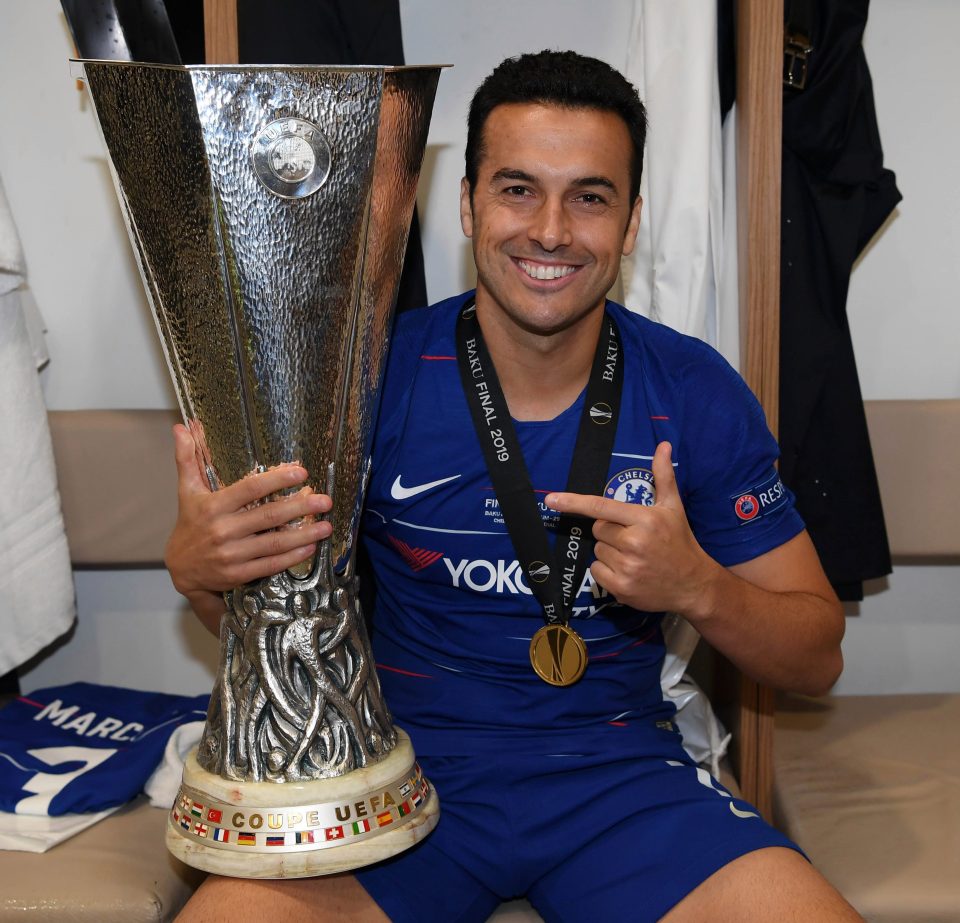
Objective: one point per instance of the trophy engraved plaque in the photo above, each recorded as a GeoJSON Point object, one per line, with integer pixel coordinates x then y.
{"type": "Point", "coordinates": [268, 207]}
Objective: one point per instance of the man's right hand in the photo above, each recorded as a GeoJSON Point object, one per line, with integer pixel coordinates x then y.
{"type": "Point", "coordinates": [220, 541]}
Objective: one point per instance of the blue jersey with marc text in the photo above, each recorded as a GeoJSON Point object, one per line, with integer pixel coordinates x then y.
{"type": "Point", "coordinates": [454, 614]}
{"type": "Point", "coordinates": [85, 747]}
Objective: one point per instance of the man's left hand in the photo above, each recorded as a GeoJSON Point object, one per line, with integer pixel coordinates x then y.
{"type": "Point", "coordinates": [647, 557]}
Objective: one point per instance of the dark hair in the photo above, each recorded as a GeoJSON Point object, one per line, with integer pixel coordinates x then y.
{"type": "Point", "coordinates": [562, 78]}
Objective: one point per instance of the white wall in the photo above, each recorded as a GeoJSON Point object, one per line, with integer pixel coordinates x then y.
{"type": "Point", "coordinates": [79, 262]}
{"type": "Point", "coordinates": [132, 628]}
{"type": "Point", "coordinates": [905, 293]}
{"type": "Point", "coordinates": [903, 310]}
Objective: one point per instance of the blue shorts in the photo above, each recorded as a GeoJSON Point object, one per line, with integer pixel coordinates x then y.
{"type": "Point", "coordinates": [582, 837]}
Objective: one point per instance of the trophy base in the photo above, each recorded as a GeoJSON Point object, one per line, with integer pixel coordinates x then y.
{"type": "Point", "coordinates": [301, 829]}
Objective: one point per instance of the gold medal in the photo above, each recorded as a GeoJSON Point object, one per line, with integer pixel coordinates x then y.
{"type": "Point", "coordinates": [558, 654]}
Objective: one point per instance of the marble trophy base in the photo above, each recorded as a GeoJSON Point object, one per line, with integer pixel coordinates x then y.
{"type": "Point", "coordinates": [301, 829]}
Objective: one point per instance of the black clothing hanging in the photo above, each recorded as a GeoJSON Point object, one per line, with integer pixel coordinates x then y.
{"type": "Point", "coordinates": [835, 196]}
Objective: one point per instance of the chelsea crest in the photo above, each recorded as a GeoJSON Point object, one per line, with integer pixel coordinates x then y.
{"type": "Point", "coordinates": [633, 485]}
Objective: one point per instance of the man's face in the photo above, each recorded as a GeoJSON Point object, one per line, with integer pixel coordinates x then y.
{"type": "Point", "coordinates": [551, 214]}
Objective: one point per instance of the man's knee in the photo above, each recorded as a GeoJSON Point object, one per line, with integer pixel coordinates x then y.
{"type": "Point", "coordinates": [767, 884]}
{"type": "Point", "coordinates": [331, 897]}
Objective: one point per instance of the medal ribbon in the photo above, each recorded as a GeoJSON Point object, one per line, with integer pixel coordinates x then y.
{"type": "Point", "coordinates": [554, 577]}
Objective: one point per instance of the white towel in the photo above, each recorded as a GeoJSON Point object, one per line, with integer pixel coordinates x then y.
{"type": "Point", "coordinates": [672, 275]}
{"type": "Point", "coordinates": [163, 785]}
{"type": "Point", "coordinates": [683, 270]}
{"type": "Point", "coordinates": [36, 583]}
{"type": "Point", "coordinates": [12, 266]}
{"type": "Point", "coordinates": [37, 833]}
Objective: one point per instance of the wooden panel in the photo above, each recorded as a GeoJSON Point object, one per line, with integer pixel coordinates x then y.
{"type": "Point", "coordinates": [759, 121]}
{"type": "Point", "coordinates": [759, 127]}
{"type": "Point", "coordinates": [220, 31]}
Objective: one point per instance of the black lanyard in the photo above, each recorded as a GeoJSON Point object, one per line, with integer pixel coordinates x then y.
{"type": "Point", "coordinates": [553, 576]}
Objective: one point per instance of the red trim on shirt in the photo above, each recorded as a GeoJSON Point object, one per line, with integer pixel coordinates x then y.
{"type": "Point", "coordinates": [637, 643]}
{"type": "Point", "coordinates": [380, 666]}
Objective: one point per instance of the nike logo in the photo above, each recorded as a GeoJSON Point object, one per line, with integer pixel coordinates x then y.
{"type": "Point", "coordinates": [399, 492]}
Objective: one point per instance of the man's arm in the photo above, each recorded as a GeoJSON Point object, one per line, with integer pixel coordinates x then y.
{"type": "Point", "coordinates": [776, 617]}
{"type": "Point", "coordinates": [221, 539]}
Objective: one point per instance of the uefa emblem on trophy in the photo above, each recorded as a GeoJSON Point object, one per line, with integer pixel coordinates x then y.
{"type": "Point", "coordinates": [269, 207]}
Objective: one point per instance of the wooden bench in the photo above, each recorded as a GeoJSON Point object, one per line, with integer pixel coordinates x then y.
{"type": "Point", "coordinates": [869, 786]}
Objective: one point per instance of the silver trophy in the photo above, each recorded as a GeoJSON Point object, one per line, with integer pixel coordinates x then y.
{"type": "Point", "coordinates": [269, 208]}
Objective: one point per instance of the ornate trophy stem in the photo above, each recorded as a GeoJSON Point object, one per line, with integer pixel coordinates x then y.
{"type": "Point", "coordinates": [297, 697]}
{"type": "Point", "coordinates": [269, 208]}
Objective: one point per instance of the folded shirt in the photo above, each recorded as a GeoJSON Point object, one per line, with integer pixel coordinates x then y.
{"type": "Point", "coordinates": [85, 747]}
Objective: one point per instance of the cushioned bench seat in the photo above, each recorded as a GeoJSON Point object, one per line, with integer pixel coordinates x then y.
{"type": "Point", "coordinates": [117, 871]}
{"type": "Point", "coordinates": [869, 786]}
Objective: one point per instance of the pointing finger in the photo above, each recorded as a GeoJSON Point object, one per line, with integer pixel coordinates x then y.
{"type": "Point", "coordinates": [624, 514]}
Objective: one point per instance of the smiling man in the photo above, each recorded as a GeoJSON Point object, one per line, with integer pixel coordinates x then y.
{"type": "Point", "coordinates": [551, 473]}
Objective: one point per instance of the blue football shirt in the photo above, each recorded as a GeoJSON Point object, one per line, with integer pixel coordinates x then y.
{"type": "Point", "coordinates": [454, 615]}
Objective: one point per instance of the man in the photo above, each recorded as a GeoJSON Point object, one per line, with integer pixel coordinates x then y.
{"type": "Point", "coordinates": [579, 794]}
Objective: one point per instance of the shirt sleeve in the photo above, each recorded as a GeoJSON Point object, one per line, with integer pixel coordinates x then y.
{"type": "Point", "coordinates": [736, 503]}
